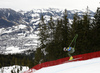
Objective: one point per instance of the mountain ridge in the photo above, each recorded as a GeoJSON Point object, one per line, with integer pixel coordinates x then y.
{"type": "Point", "coordinates": [18, 29]}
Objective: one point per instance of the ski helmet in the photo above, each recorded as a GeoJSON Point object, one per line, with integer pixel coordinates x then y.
{"type": "Point", "coordinates": [64, 48]}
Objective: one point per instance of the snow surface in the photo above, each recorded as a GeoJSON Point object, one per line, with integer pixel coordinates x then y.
{"type": "Point", "coordinates": [86, 66]}
{"type": "Point", "coordinates": [14, 49]}
{"type": "Point", "coordinates": [22, 26]}
{"type": "Point", "coordinates": [8, 69]}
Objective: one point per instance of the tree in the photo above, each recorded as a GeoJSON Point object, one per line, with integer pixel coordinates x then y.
{"type": "Point", "coordinates": [96, 29]}
{"type": "Point", "coordinates": [21, 68]}
{"type": "Point", "coordinates": [85, 33]}
{"type": "Point", "coordinates": [86, 25]}
{"type": "Point", "coordinates": [76, 20]}
{"type": "Point", "coordinates": [38, 56]}
{"type": "Point", "coordinates": [42, 32]}
{"type": "Point", "coordinates": [43, 38]}
{"type": "Point", "coordinates": [81, 26]}
{"type": "Point", "coordinates": [12, 71]}
{"type": "Point", "coordinates": [55, 48]}
{"type": "Point", "coordinates": [65, 29]}
{"type": "Point", "coordinates": [17, 70]}
{"type": "Point", "coordinates": [51, 30]}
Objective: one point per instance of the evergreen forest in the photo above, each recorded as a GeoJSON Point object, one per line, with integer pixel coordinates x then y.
{"type": "Point", "coordinates": [55, 35]}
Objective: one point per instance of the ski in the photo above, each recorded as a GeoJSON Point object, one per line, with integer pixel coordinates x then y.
{"type": "Point", "coordinates": [75, 59]}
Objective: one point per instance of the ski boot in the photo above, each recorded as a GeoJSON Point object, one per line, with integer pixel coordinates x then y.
{"type": "Point", "coordinates": [71, 58]}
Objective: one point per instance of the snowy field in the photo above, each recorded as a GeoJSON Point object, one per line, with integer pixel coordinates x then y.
{"type": "Point", "coordinates": [86, 66]}
{"type": "Point", "coordinates": [14, 69]}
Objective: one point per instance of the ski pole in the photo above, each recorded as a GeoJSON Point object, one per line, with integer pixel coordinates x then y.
{"type": "Point", "coordinates": [74, 39]}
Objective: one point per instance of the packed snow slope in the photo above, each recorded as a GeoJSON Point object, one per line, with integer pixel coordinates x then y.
{"type": "Point", "coordinates": [86, 66]}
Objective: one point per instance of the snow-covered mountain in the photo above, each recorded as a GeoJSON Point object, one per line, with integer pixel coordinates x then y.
{"type": "Point", "coordinates": [18, 29]}
{"type": "Point", "coordinates": [34, 15]}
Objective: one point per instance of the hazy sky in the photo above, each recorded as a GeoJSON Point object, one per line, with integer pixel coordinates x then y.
{"type": "Point", "coordinates": [64, 4]}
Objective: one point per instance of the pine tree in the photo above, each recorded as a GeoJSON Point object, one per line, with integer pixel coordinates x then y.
{"type": "Point", "coordinates": [53, 47]}
{"type": "Point", "coordinates": [43, 38]}
{"type": "Point", "coordinates": [96, 29]}
{"type": "Point", "coordinates": [38, 56]}
{"type": "Point", "coordinates": [51, 30]}
{"type": "Point", "coordinates": [81, 26]}
{"type": "Point", "coordinates": [74, 25]}
{"type": "Point", "coordinates": [65, 29]}
{"type": "Point", "coordinates": [51, 39]}
{"type": "Point", "coordinates": [86, 29]}
{"type": "Point", "coordinates": [55, 50]}
{"type": "Point", "coordinates": [42, 32]}
{"type": "Point", "coordinates": [12, 71]}
{"type": "Point", "coordinates": [21, 68]}
{"type": "Point", "coordinates": [18, 70]}
{"type": "Point", "coordinates": [58, 31]}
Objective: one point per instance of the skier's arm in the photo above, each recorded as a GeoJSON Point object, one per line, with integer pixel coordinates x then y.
{"type": "Point", "coordinates": [68, 49]}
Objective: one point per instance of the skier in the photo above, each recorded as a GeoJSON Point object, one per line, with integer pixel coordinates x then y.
{"type": "Point", "coordinates": [70, 51]}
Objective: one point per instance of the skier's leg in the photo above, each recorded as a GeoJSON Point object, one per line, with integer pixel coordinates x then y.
{"type": "Point", "coordinates": [69, 54]}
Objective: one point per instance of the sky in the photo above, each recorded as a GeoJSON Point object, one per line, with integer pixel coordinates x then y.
{"type": "Point", "coordinates": [62, 4]}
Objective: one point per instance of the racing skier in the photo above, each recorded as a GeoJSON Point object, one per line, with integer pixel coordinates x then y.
{"type": "Point", "coordinates": [70, 51]}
